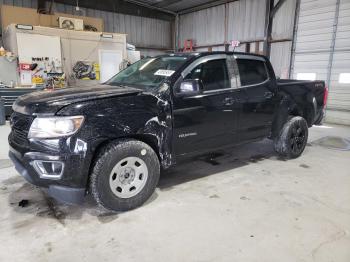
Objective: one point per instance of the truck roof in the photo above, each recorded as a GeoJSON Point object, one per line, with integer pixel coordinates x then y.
{"type": "Point", "coordinates": [200, 54]}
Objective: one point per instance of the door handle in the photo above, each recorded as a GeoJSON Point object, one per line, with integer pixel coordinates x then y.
{"type": "Point", "coordinates": [268, 94]}
{"type": "Point", "coordinates": [228, 101]}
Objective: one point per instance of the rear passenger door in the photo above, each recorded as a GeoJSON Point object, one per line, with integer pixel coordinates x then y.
{"type": "Point", "coordinates": [258, 109]}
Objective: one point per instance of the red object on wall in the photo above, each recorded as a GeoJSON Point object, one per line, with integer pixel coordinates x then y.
{"type": "Point", "coordinates": [188, 45]}
{"type": "Point", "coordinates": [25, 67]}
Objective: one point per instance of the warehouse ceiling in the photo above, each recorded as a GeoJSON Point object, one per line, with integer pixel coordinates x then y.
{"type": "Point", "coordinates": [161, 9]}
{"type": "Point", "coordinates": [181, 6]}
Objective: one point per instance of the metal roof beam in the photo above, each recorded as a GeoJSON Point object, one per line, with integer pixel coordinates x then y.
{"type": "Point", "coordinates": [166, 3]}
{"type": "Point", "coordinates": [129, 7]}
{"type": "Point", "coordinates": [204, 6]}
{"type": "Point", "coordinates": [154, 7]}
{"type": "Point", "coordinates": [277, 6]}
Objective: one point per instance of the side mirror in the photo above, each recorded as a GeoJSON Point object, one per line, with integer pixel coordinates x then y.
{"type": "Point", "coordinates": [190, 87]}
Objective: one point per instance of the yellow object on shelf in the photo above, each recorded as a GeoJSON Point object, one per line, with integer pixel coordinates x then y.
{"type": "Point", "coordinates": [2, 51]}
{"type": "Point", "coordinates": [37, 80]}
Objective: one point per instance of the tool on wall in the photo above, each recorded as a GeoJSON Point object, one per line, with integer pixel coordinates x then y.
{"type": "Point", "coordinates": [55, 80]}
{"type": "Point", "coordinates": [86, 70]}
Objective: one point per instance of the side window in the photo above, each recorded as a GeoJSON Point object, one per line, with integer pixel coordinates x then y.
{"type": "Point", "coordinates": [251, 72]}
{"type": "Point", "coordinates": [212, 73]}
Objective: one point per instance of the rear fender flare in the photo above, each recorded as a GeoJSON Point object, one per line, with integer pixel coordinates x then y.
{"type": "Point", "coordinates": [310, 110]}
{"type": "Point", "coordinates": [285, 109]}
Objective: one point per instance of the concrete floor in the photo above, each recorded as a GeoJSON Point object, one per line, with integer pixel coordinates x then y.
{"type": "Point", "coordinates": [244, 205]}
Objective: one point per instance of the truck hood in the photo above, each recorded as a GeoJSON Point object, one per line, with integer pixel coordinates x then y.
{"type": "Point", "coordinates": [49, 102]}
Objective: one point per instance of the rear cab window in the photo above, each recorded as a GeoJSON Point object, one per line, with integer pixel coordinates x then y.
{"type": "Point", "coordinates": [249, 72]}
{"type": "Point", "coordinates": [227, 72]}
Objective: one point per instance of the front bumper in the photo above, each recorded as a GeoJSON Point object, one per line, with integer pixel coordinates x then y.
{"type": "Point", "coordinates": [61, 165]}
{"type": "Point", "coordinates": [61, 193]}
{"type": "Point", "coordinates": [70, 185]}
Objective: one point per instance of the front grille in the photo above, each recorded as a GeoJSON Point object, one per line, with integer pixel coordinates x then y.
{"type": "Point", "coordinates": [20, 125]}
{"type": "Point", "coordinates": [19, 137]}
{"type": "Point", "coordinates": [20, 121]}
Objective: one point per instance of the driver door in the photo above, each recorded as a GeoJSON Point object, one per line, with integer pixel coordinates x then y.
{"type": "Point", "coordinates": [206, 121]}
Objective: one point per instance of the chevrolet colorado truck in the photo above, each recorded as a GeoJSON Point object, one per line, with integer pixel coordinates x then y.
{"type": "Point", "coordinates": [112, 140]}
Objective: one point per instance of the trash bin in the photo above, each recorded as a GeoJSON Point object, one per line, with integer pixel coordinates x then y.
{"type": "Point", "coordinates": [2, 112]}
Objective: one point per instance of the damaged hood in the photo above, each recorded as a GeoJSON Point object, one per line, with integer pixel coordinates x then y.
{"type": "Point", "coordinates": [49, 102]}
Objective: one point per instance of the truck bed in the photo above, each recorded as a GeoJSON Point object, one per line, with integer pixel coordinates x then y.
{"type": "Point", "coordinates": [304, 92]}
{"type": "Point", "coordinates": [299, 87]}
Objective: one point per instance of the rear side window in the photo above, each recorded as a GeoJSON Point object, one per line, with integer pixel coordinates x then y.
{"type": "Point", "coordinates": [251, 72]}
{"type": "Point", "coordinates": [212, 73]}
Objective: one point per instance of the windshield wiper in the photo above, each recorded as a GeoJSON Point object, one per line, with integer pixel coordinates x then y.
{"type": "Point", "coordinates": [117, 84]}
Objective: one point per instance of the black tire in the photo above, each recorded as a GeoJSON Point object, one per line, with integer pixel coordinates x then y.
{"type": "Point", "coordinates": [293, 137]}
{"type": "Point", "coordinates": [108, 158]}
{"type": "Point", "coordinates": [319, 121]}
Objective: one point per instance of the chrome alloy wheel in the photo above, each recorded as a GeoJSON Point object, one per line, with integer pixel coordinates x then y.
{"type": "Point", "coordinates": [128, 177]}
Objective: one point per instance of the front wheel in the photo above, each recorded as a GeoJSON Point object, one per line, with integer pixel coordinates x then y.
{"type": "Point", "coordinates": [125, 175]}
{"type": "Point", "coordinates": [293, 137]}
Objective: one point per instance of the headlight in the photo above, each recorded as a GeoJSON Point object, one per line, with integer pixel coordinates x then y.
{"type": "Point", "coordinates": [52, 127]}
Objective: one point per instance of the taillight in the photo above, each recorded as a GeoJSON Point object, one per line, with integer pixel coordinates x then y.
{"type": "Point", "coordinates": [325, 96]}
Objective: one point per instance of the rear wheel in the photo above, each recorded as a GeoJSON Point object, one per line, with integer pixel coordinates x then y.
{"type": "Point", "coordinates": [125, 175]}
{"type": "Point", "coordinates": [293, 138]}
{"type": "Point", "coordinates": [320, 119]}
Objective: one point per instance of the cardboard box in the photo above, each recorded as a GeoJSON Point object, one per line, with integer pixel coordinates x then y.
{"type": "Point", "coordinates": [29, 16]}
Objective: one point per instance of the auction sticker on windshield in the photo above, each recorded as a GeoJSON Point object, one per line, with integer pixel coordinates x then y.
{"type": "Point", "coordinates": [164, 72]}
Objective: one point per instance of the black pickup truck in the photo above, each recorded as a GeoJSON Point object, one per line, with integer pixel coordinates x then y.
{"type": "Point", "coordinates": [113, 140]}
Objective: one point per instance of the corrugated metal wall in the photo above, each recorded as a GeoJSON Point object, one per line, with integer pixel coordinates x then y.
{"type": "Point", "coordinates": [280, 58]}
{"type": "Point", "coordinates": [207, 27]}
{"type": "Point", "coordinates": [339, 97]}
{"type": "Point", "coordinates": [283, 23]}
{"type": "Point", "coordinates": [142, 31]}
{"type": "Point", "coordinates": [246, 22]}
{"type": "Point", "coordinates": [22, 3]}
{"type": "Point", "coordinates": [323, 48]}
{"type": "Point", "coordinates": [282, 28]}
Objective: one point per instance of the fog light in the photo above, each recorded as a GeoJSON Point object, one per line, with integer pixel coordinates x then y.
{"type": "Point", "coordinates": [48, 169]}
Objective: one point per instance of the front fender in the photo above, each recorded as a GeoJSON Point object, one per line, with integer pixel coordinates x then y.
{"type": "Point", "coordinates": [143, 117]}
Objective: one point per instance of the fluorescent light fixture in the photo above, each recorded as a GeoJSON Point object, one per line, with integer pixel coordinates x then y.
{"type": "Point", "coordinates": [306, 76]}
{"type": "Point", "coordinates": [24, 27]}
{"type": "Point", "coordinates": [344, 78]}
{"type": "Point", "coordinates": [107, 36]}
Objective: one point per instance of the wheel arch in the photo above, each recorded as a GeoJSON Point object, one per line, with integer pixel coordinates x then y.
{"type": "Point", "coordinates": [150, 140]}
{"type": "Point", "coordinates": [289, 107]}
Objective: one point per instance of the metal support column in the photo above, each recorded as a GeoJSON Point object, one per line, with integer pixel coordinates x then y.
{"type": "Point", "coordinates": [334, 36]}
{"type": "Point", "coordinates": [268, 27]}
{"type": "Point", "coordinates": [295, 30]}
{"type": "Point", "coordinates": [177, 28]}
{"type": "Point", "coordinates": [226, 43]}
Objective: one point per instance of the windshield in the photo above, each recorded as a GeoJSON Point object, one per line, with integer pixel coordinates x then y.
{"type": "Point", "coordinates": [149, 72]}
